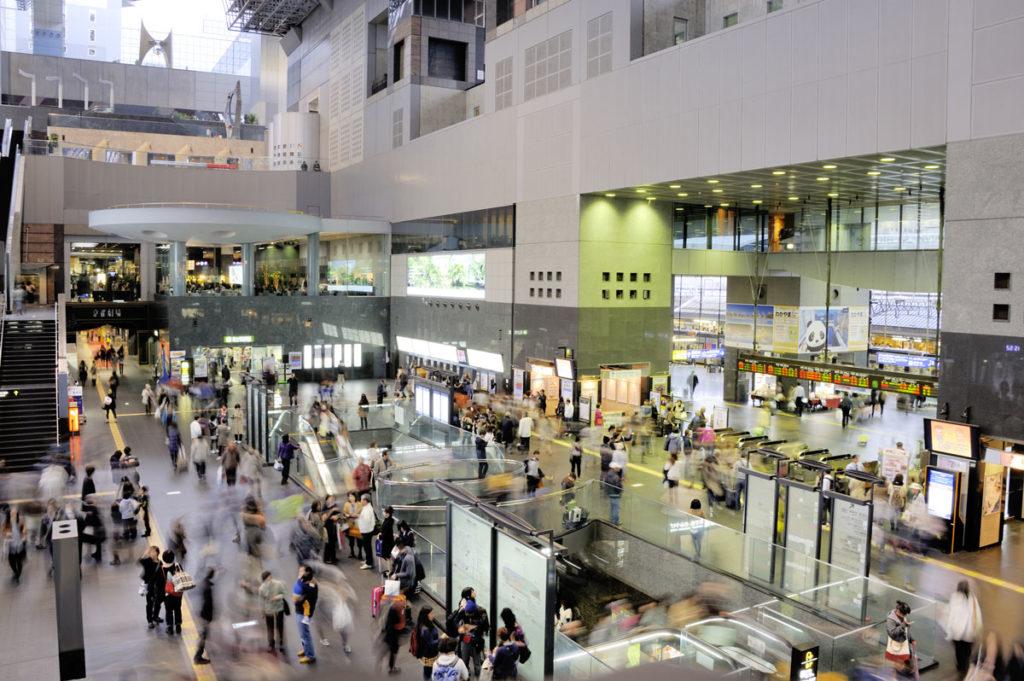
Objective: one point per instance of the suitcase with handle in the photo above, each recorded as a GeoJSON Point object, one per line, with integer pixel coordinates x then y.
{"type": "Point", "coordinates": [375, 598]}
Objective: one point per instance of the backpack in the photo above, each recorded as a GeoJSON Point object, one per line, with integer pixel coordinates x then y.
{"type": "Point", "coordinates": [421, 574]}
{"type": "Point", "coordinates": [445, 673]}
{"type": "Point", "coordinates": [451, 625]}
{"type": "Point", "coordinates": [505, 658]}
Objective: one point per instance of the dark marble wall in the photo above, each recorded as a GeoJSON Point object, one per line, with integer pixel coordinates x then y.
{"type": "Point", "coordinates": [541, 329]}
{"type": "Point", "coordinates": [987, 374]}
{"type": "Point", "coordinates": [479, 324]}
{"type": "Point", "coordinates": [289, 321]}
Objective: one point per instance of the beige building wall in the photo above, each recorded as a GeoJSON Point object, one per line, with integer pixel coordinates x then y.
{"type": "Point", "coordinates": [182, 146]}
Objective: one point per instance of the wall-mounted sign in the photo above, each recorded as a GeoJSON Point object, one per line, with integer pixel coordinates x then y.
{"type": "Point", "coordinates": [803, 664]}
{"type": "Point", "coordinates": [905, 384]}
{"type": "Point", "coordinates": [895, 359]}
{"type": "Point", "coordinates": [228, 340]}
{"type": "Point", "coordinates": [294, 360]}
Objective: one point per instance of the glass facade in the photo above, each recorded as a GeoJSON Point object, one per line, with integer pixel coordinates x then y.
{"type": "Point", "coordinates": [104, 272]}
{"type": "Point", "coordinates": [698, 319]}
{"type": "Point", "coordinates": [907, 227]}
{"type": "Point", "coordinates": [280, 268]}
{"type": "Point", "coordinates": [213, 271]}
{"type": "Point", "coordinates": [491, 228]}
{"type": "Point", "coordinates": [354, 265]}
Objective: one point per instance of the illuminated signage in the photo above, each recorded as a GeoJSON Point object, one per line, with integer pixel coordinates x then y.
{"type": "Point", "coordinates": [237, 339]}
{"type": "Point", "coordinates": [954, 439]}
{"type": "Point", "coordinates": [905, 384]}
{"type": "Point", "coordinates": [804, 663]}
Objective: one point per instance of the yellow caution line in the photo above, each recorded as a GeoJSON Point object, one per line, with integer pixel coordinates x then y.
{"type": "Point", "coordinates": [189, 632]}
{"type": "Point", "coordinates": [967, 572]}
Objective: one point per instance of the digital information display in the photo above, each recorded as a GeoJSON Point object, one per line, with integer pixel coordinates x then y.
{"type": "Point", "coordinates": [448, 275]}
{"type": "Point", "coordinates": [904, 384]}
{"type": "Point", "coordinates": [946, 437]}
{"type": "Point", "coordinates": [941, 493]}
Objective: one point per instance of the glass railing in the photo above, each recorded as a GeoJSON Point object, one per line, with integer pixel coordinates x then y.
{"type": "Point", "coordinates": [435, 567]}
{"type": "Point", "coordinates": [852, 608]}
{"type": "Point", "coordinates": [107, 154]}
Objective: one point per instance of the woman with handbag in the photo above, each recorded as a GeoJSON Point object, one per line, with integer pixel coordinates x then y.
{"type": "Point", "coordinates": [899, 642]}
{"type": "Point", "coordinates": [350, 512]}
{"type": "Point", "coordinates": [172, 598]}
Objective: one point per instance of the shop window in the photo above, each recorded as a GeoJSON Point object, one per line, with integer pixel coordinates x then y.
{"type": "Point", "coordinates": [730, 20]}
{"type": "Point", "coordinates": [1002, 280]}
{"type": "Point", "coordinates": [619, 294]}
{"type": "Point", "coordinates": [647, 294]}
{"type": "Point", "coordinates": [606, 276]}
{"type": "Point", "coordinates": [647, 277]}
{"type": "Point", "coordinates": [632, 277]}
{"type": "Point", "coordinates": [1000, 312]}
{"type": "Point", "coordinates": [619, 276]}
{"type": "Point", "coordinates": [604, 294]}
{"type": "Point", "coordinates": [632, 294]}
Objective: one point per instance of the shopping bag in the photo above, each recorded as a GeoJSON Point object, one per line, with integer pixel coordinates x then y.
{"type": "Point", "coordinates": [392, 587]}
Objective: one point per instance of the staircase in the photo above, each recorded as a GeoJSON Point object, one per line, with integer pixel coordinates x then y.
{"type": "Point", "coordinates": [28, 385]}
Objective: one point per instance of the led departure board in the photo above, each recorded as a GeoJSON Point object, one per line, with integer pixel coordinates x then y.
{"type": "Point", "coordinates": [836, 374]}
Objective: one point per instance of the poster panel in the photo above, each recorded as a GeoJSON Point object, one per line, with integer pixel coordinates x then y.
{"type": "Point", "coordinates": [850, 536]}
{"type": "Point", "coordinates": [803, 511]}
{"type": "Point", "coordinates": [786, 328]}
{"type": "Point", "coordinates": [857, 333]}
{"type": "Point", "coordinates": [470, 555]}
{"type": "Point", "coordinates": [523, 587]}
{"type": "Point", "coordinates": [819, 326]}
{"type": "Point", "coordinates": [739, 325]}
{"type": "Point", "coordinates": [759, 526]}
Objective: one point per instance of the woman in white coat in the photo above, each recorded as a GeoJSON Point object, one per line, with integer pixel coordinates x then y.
{"type": "Point", "coordinates": [963, 624]}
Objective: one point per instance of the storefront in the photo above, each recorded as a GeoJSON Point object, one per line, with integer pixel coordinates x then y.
{"type": "Point", "coordinates": [446, 360]}
{"type": "Point", "coordinates": [213, 271]}
{"type": "Point", "coordinates": [103, 272]}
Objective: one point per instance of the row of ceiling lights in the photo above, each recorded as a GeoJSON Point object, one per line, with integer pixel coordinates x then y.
{"type": "Point", "coordinates": [780, 173]}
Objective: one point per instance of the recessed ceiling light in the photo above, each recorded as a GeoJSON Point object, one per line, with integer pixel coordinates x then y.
{"type": "Point", "coordinates": [680, 208]}
{"type": "Point", "coordinates": [833, 195]}
{"type": "Point", "coordinates": [794, 198]}
{"type": "Point", "coordinates": [674, 186]}
{"type": "Point", "coordinates": [757, 202]}
{"type": "Point", "coordinates": [641, 191]}
{"type": "Point", "coordinates": [886, 159]}
{"type": "Point", "coordinates": [712, 181]}
{"type": "Point", "coordinates": [822, 179]}
{"type": "Point", "coordinates": [932, 166]}
{"type": "Point", "coordinates": [724, 205]}
{"type": "Point", "coordinates": [755, 186]}
{"type": "Point", "coordinates": [790, 247]}
{"type": "Point", "coordinates": [682, 195]}
{"type": "Point", "coordinates": [829, 166]}
{"type": "Point", "coordinates": [874, 173]}
{"type": "Point", "coordinates": [708, 205]}
{"type": "Point", "coordinates": [610, 195]}
{"type": "Point", "coordinates": [899, 189]}
{"type": "Point", "coordinates": [717, 191]}
{"type": "Point", "coordinates": [778, 172]}
{"type": "Point", "coordinates": [650, 198]}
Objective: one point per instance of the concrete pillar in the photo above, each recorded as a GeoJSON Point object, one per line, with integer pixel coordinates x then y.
{"type": "Point", "coordinates": [313, 265]}
{"type": "Point", "coordinates": [147, 270]}
{"type": "Point", "coordinates": [176, 264]}
{"type": "Point", "coordinates": [248, 269]}
{"type": "Point", "coordinates": [67, 588]}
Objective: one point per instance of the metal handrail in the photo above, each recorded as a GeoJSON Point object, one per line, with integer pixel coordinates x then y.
{"type": "Point", "coordinates": [56, 371]}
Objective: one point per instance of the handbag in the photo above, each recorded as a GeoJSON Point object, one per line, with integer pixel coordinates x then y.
{"type": "Point", "coordinates": [182, 581]}
{"type": "Point", "coordinates": [287, 609]}
{"type": "Point", "coordinates": [486, 671]}
{"type": "Point", "coordinates": [897, 648]}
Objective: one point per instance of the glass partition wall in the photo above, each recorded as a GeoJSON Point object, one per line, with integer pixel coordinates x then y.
{"type": "Point", "coordinates": [104, 272]}
{"type": "Point", "coordinates": [354, 264]}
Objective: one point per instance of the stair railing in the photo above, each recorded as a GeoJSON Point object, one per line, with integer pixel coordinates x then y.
{"type": "Point", "coordinates": [61, 377]}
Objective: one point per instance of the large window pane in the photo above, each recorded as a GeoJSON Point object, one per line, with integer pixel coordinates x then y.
{"type": "Point", "coordinates": [887, 236]}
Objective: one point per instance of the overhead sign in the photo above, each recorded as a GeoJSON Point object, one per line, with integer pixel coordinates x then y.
{"type": "Point", "coordinates": [837, 374]}
{"type": "Point", "coordinates": [228, 340]}
{"type": "Point", "coordinates": [896, 359]}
